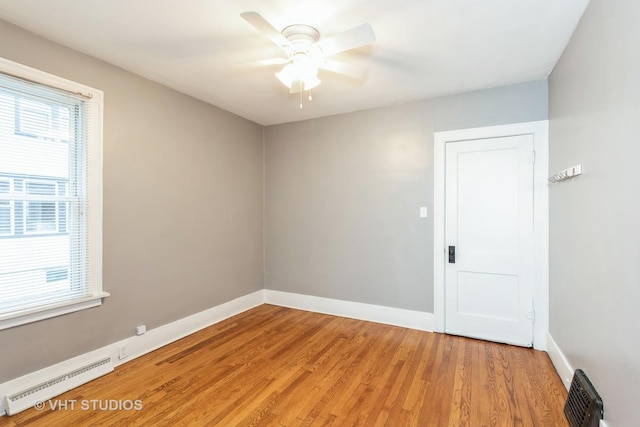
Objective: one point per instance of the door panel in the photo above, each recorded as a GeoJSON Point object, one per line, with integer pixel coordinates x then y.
{"type": "Point", "coordinates": [472, 289]}
{"type": "Point", "coordinates": [489, 219]}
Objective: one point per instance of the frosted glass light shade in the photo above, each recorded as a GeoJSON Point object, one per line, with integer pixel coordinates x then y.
{"type": "Point", "coordinates": [301, 70]}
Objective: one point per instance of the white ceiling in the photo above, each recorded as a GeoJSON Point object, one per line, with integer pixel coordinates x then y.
{"type": "Point", "coordinates": [423, 48]}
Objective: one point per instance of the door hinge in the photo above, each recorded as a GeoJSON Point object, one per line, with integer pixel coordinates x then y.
{"type": "Point", "coordinates": [529, 158]}
{"type": "Point", "coordinates": [531, 315]}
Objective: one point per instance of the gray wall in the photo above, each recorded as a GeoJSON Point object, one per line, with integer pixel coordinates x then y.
{"type": "Point", "coordinates": [182, 209]}
{"type": "Point", "coordinates": [183, 202]}
{"type": "Point", "coordinates": [594, 233]}
{"type": "Point", "coordinates": [343, 195]}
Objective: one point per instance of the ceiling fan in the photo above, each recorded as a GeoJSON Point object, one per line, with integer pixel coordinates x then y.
{"type": "Point", "coordinates": [306, 53]}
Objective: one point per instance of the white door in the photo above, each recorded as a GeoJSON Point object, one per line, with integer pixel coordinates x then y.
{"type": "Point", "coordinates": [489, 239]}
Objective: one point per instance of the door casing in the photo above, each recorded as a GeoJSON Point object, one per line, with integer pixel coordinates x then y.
{"type": "Point", "coordinates": [540, 132]}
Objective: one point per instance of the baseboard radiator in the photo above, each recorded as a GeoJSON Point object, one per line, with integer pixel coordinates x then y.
{"type": "Point", "coordinates": [584, 406]}
{"type": "Point", "coordinates": [26, 398]}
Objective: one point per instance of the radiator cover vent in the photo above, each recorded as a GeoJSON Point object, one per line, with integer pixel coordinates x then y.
{"type": "Point", "coordinates": [26, 398]}
{"type": "Point", "coordinates": [584, 406]}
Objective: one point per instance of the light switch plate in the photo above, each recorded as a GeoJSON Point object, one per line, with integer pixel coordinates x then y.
{"type": "Point", "coordinates": [423, 212]}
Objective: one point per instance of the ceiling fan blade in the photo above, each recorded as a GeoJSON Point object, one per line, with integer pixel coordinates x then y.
{"type": "Point", "coordinates": [255, 64]}
{"type": "Point", "coordinates": [343, 68]}
{"type": "Point", "coordinates": [262, 25]}
{"type": "Point", "coordinates": [359, 36]}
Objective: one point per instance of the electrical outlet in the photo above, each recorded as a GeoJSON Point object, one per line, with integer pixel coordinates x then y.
{"type": "Point", "coordinates": [122, 352]}
{"type": "Point", "coordinates": [141, 329]}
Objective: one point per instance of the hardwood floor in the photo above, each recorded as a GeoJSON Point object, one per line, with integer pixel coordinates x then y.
{"type": "Point", "coordinates": [274, 366]}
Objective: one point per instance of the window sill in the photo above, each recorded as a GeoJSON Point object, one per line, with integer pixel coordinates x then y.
{"type": "Point", "coordinates": [40, 313]}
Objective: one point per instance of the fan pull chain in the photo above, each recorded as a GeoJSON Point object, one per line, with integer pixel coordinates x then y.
{"type": "Point", "coordinates": [301, 94]}
{"type": "Point", "coordinates": [310, 98]}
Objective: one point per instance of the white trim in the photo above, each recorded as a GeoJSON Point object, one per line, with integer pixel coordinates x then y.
{"type": "Point", "coordinates": [10, 320]}
{"type": "Point", "coordinates": [540, 132]}
{"type": "Point", "coordinates": [137, 346]}
{"type": "Point", "coordinates": [373, 313]}
{"type": "Point", "coordinates": [94, 163]}
{"type": "Point", "coordinates": [560, 362]}
{"type": "Point", "coordinates": [153, 339]}
{"type": "Point", "coordinates": [41, 77]}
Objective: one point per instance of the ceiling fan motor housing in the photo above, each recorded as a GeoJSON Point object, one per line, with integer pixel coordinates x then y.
{"type": "Point", "coordinates": [302, 38]}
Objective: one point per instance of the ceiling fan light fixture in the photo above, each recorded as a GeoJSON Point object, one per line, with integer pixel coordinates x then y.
{"type": "Point", "coordinates": [306, 53]}
{"type": "Point", "coordinates": [301, 70]}
{"type": "Point", "coordinates": [311, 82]}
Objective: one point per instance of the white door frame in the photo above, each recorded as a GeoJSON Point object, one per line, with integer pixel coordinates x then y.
{"type": "Point", "coordinates": [540, 132]}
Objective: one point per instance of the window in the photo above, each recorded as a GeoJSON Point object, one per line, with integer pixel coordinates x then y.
{"type": "Point", "coordinates": [38, 216]}
{"type": "Point", "coordinates": [42, 216]}
{"type": "Point", "coordinates": [42, 120]}
{"type": "Point", "coordinates": [6, 209]}
{"type": "Point", "coordinates": [50, 196]}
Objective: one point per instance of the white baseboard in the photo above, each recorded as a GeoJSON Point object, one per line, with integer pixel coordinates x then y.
{"type": "Point", "coordinates": [560, 362]}
{"type": "Point", "coordinates": [166, 334]}
{"type": "Point", "coordinates": [374, 313]}
{"type": "Point", "coordinates": [137, 346]}
{"type": "Point", "coordinates": [153, 339]}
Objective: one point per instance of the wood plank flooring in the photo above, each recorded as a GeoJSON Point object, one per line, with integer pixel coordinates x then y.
{"type": "Point", "coordinates": [274, 366]}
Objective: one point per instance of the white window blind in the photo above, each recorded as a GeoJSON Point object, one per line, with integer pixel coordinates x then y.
{"type": "Point", "coordinates": [50, 195]}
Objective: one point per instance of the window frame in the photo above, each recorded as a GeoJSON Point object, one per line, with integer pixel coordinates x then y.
{"type": "Point", "coordinates": [93, 153]}
{"type": "Point", "coordinates": [49, 135]}
{"type": "Point", "coordinates": [55, 199]}
{"type": "Point", "coordinates": [12, 210]}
